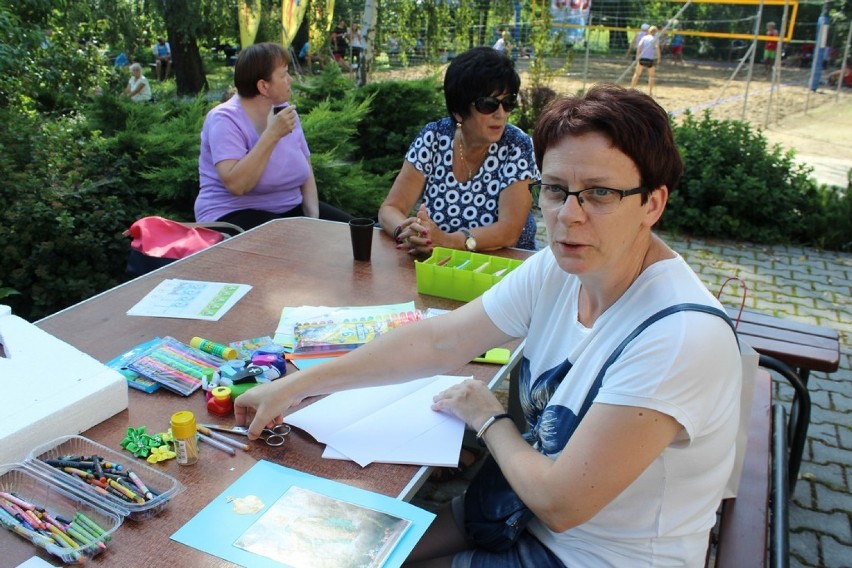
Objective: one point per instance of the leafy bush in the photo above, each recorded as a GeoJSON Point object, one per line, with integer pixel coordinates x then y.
{"type": "Point", "coordinates": [399, 110]}
{"type": "Point", "coordinates": [340, 181]}
{"type": "Point", "coordinates": [735, 186]}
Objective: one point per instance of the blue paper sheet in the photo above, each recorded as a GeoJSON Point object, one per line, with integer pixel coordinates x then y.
{"type": "Point", "coordinates": [216, 527]}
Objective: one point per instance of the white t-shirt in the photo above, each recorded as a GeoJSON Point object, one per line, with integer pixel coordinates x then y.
{"type": "Point", "coordinates": [647, 47]}
{"type": "Point", "coordinates": [685, 365]}
{"type": "Point", "coordinates": [145, 93]}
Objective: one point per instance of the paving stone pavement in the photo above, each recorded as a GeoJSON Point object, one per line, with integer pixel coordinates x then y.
{"type": "Point", "coordinates": [810, 286]}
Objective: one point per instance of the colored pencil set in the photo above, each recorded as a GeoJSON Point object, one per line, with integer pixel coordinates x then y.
{"type": "Point", "coordinates": [175, 365]}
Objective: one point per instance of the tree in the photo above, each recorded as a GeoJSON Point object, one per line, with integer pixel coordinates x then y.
{"type": "Point", "coordinates": [183, 23]}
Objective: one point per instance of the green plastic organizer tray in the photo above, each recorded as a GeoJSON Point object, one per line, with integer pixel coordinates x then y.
{"type": "Point", "coordinates": [460, 275]}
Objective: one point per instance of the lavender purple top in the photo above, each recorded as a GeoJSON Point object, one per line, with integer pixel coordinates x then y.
{"type": "Point", "coordinates": [228, 134]}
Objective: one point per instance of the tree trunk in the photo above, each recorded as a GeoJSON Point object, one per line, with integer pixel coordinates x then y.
{"type": "Point", "coordinates": [186, 59]}
{"type": "Point", "coordinates": [186, 64]}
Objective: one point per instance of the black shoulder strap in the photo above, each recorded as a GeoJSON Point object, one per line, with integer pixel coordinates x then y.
{"type": "Point", "coordinates": [596, 385]}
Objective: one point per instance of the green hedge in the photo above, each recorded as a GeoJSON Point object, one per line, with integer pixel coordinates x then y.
{"type": "Point", "coordinates": [736, 186]}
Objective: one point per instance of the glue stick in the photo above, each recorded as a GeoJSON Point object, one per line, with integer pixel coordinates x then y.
{"type": "Point", "coordinates": [217, 349]}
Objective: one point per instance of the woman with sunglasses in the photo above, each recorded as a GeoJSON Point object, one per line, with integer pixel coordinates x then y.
{"type": "Point", "coordinates": [626, 448]}
{"type": "Point", "coordinates": [470, 170]}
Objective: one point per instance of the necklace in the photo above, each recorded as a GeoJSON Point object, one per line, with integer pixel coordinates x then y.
{"type": "Point", "coordinates": [467, 165]}
{"type": "Point", "coordinates": [464, 162]}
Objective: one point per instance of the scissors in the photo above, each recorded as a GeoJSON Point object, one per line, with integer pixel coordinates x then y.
{"type": "Point", "coordinates": [274, 437]}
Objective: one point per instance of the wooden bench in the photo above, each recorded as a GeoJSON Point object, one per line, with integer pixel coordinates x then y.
{"type": "Point", "coordinates": [793, 350]}
{"type": "Point", "coordinates": [741, 538]}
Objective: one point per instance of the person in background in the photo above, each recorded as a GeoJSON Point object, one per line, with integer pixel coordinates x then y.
{"type": "Point", "coordinates": [163, 58]}
{"type": "Point", "coordinates": [770, 48]}
{"type": "Point", "coordinates": [676, 46]}
{"type": "Point", "coordinates": [138, 88]}
{"type": "Point", "coordinates": [503, 43]}
{"type": "Point", "coordinates": [643, 30]}
{"type": "Point", "coordinates": [470, 170]}
{"type": "Point", "coordinates": [834, 77]}
{"type": "Point", "coordinates": [255, 164]}
{"type": "Point", "coordinates": [637, 481]}
{"type": "Point", "coordinates": [647, 57]}
{"type": "Point", "coordinates": [356, 43]}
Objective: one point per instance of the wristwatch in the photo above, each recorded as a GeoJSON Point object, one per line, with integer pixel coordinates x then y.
{"type": "Point", "coordinates": [469, 242]}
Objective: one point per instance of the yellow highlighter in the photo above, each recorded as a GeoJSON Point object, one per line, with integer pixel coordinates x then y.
{"type": "Point", "coordinates": [496, 356]}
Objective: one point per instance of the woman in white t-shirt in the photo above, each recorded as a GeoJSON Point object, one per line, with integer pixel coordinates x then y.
{"type": "Point", "coordinates": [637, 480]}
{"type": "Point", "coordinates": [647, 57]}
{"type": "Point", "coordinates": [138, 88]}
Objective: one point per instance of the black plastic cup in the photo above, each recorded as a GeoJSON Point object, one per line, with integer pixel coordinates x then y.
{"type": "Point", "coordinates": [361, 230]}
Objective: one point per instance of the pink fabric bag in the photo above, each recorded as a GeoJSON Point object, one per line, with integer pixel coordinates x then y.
{"type": "Point", "coordinates": [163, 238]}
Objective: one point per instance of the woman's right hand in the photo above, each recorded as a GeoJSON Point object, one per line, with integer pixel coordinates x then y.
{"type": "Point", "coordinates": [284, 122]}
{"type": "Point", "coordinates": [263, 406]}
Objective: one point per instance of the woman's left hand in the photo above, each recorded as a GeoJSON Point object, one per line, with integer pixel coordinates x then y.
{"type": "Point", "coordinates": [417, 236]}
{"type": "Point", "coordinates": [469, 400]}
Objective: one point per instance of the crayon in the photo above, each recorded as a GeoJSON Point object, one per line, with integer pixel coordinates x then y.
{"type": "Point", "coordinates": [62, 538]}
{"type": "Point", "coordinates": [89, 523]}
{"type": "Point", "coordinates": [141, 485]}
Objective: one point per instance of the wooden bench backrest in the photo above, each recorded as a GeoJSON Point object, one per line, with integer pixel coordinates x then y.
{"type": "Point", "coordinates": [744, 522]}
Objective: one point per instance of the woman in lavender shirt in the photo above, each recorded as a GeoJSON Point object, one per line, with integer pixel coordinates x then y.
{"type": "Point", "coordinates": [255, 163]}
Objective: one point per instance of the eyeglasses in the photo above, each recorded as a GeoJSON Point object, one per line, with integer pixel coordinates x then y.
{"type": "Point", "coordinates": [595, 200]}
{"type": "Point", "coordinates": [489, 105]}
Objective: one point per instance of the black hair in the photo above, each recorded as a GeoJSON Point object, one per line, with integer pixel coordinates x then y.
{"type": "Point", "coordinates": [478, 72]}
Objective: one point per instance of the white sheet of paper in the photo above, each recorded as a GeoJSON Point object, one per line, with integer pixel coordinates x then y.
{"type": "Point", "coordinates": [390, 424]}
{"type": "Point", "coordinates": [189, 299]}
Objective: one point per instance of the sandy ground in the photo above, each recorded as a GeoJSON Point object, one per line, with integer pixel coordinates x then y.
{"type": "Point", "coordinates": [817, 125]}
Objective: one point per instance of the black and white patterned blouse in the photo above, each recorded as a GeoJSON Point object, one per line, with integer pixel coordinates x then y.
{"type": "Point", "coordinates": [454, 205]}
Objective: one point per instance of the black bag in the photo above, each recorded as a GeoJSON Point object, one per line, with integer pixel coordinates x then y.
{"type": "Point", "coordinates": [494, 515]}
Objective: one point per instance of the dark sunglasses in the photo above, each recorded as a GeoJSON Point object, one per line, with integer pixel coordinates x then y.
{"type": "Point", "coordinates": [489, 105]}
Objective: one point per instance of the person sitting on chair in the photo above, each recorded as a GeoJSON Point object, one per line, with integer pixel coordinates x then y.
{"type": "Point", "coordinates": [255, 164]}
{"type": "Point", "coordinates": [163, 57]}
{"type": "Point", "coordinates": [470, 169]}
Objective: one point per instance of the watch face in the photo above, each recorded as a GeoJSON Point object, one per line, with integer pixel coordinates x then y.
{"type": "Point", "coordinates": [470, 244]}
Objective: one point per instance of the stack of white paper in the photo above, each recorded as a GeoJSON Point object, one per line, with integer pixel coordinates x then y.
{"type": "Point", "coordinates": [389, 424]}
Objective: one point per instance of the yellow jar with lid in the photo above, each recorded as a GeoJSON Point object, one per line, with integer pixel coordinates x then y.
{"type": "Point", "coordinates": [184, 432]}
